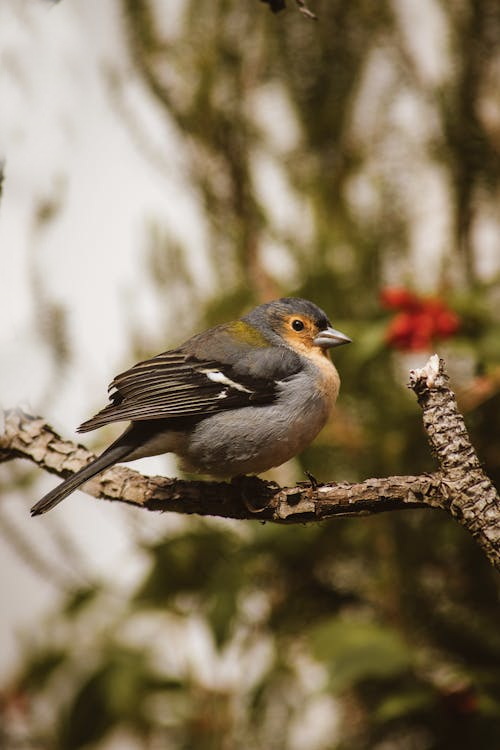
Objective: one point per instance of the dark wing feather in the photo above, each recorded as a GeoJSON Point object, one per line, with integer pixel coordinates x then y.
{"type": "Point", "coordinates": [176, 384]}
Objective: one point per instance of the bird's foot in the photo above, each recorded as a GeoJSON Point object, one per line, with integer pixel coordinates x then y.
{"type": "Point", "coordinates": [254, 492]}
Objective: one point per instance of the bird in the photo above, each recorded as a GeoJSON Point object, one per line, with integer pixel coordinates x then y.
{"type": "Point", "coordinates": [237, 399]}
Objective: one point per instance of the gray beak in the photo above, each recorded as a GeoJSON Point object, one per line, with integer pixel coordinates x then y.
{"type": "Point", "coordinates": [330, 337]}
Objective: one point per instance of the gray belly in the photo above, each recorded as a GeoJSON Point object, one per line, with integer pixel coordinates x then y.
{"type": "Point", "coordinates": [253, 439]}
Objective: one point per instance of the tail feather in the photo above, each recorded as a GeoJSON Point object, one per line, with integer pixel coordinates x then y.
{"type": "Point", "coordinates": [112, 455]}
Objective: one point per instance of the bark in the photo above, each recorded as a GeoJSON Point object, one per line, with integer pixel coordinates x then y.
{"type": "Point", "coordinates": [459, 487]}
{"type": "Point", "coordinates": [467, 492]}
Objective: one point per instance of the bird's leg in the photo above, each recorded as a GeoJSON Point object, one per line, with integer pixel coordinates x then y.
{"type": "Point", "coordinates": [314, 482]}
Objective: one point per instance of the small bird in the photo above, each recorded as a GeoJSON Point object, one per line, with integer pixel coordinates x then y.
{"type": "Point", "coordinates": [237, 399]}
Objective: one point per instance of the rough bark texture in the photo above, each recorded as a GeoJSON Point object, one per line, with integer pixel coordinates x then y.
{"type": "Point", "coordinates": [459, 487]}
{"type": "Point", "coordinates": [467, 493]}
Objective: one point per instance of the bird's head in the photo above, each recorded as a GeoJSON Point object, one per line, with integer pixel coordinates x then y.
{"type": "Point", "coordinates": [296, 323]}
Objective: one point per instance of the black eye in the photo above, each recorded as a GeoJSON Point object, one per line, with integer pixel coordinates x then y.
{"type": "Point", "coordinates": [297, 325]}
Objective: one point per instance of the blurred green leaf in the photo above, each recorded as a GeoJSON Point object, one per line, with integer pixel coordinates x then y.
{"type": "Point", "coordinates": [41, 667]}
{"type": "Point", "coordinates": [115, 692]}
{"type": "Point", "coordinates": [79, 598]}
{"type": "Point", "coordinates": [89, 717]}
{"type": "Point", "coordinates": [369, 339]}
{"type": "Point", "coordinates": [186, 563]}
{"type": "Point", "coordinates": [355, 651]}
{"type": "Point", "coordinates": [489, 345]}
{"type": "Point", "coordinates": [404, 704]}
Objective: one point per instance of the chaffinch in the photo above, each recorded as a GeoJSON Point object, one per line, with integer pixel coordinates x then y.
{"type": "Point", "coordinates": [237, 399]}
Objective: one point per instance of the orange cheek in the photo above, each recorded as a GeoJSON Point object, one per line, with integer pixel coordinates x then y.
{"type": "Point", "coordinates": [300, 340]}
{"type": "Point", "coordinates": [302, 343]}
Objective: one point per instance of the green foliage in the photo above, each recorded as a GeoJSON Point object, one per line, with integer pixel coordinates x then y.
{"type": "Point", "coordinates": [357, 651]}
{"type": "Point", "coordinates": [202, 559]}
{"type": "Point", "coordinates": [41, 667]}
{"type": "Point", "coordinates": [118, 690]}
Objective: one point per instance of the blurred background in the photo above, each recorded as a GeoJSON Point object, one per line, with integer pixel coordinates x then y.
{"type": "Point", "coordinates": [169, 164]}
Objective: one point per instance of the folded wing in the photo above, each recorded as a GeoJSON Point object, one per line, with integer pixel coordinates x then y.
{"type": "Point", "coordinates": [176, 385]}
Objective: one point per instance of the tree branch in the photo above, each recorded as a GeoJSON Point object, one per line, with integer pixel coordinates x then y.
{"type": "Point", "coordinates": [459, 487]}
{"type": "Point", "coordinates": [467, 492]}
